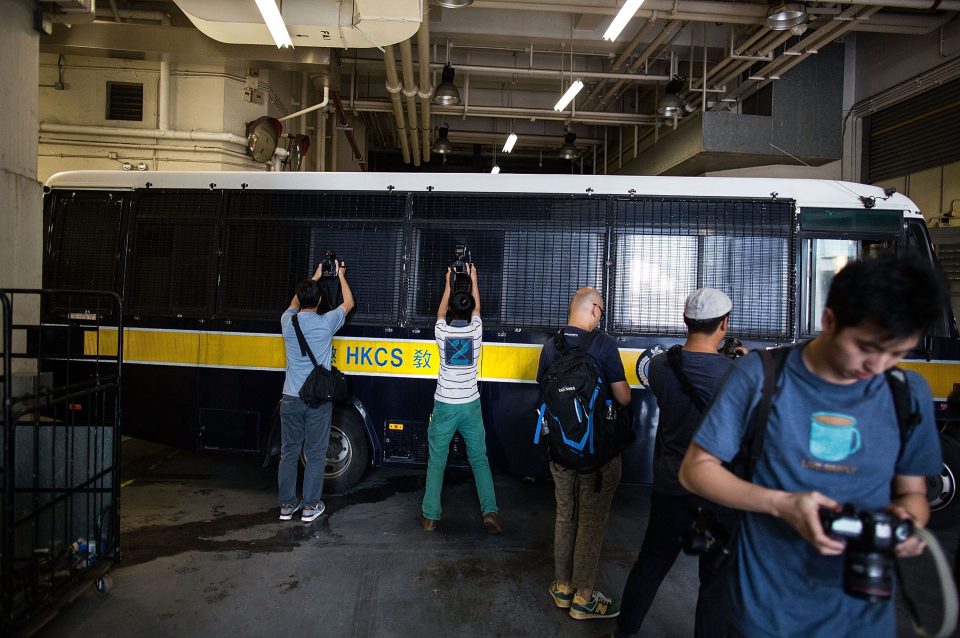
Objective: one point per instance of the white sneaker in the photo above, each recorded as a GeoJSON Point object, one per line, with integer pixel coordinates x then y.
{"type": "Point", "coordinates": [312, 512]}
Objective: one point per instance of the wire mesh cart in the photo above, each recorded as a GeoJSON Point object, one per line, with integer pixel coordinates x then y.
{"type": "Point", "coordinates": [60, 518]}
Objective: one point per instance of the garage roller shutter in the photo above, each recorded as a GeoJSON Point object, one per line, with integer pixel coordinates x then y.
{"type": "Point", "coordinates": [913, 135]}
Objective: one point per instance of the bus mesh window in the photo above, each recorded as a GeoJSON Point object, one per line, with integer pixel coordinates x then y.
{"type": "Point", "coordinates": [174, 246]}
{"type": "Point", "coordinates": [82, 251]}
{"type": "Point", "coordinates": [664, 249]}
{"type": "Point", "coordinates": [277, 238]}
{"type": "Point", "coordinates": [531, 253]}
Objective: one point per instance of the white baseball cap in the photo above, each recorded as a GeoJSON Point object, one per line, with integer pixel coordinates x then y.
{"type": "Point", "coordinates": [706, 303]}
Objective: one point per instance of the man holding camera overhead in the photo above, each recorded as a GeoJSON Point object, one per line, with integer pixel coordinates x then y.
{"type": "Point", "coordinates": [304, 426]}
{"type": "Point", "coordinates": [456, 405]}
{"type": "Point", "coordinates": [832, 436]}
{"type": "Point", "coordinates": [683, 380]}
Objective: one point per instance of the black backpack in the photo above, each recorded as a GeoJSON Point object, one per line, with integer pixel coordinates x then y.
{"type": "Point", "coordinates": [583, 427]}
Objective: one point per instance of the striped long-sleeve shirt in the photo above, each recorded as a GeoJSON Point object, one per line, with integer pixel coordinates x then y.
{"type": "Point", "coordinates": [459, 361]}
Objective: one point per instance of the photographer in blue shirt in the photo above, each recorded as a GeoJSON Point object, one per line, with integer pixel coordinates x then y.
{"type": "Point", "coordinates": [832, 437]}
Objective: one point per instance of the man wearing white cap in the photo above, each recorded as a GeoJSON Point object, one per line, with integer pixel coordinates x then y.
{"type": "Point", "coordinates": [683, 381]}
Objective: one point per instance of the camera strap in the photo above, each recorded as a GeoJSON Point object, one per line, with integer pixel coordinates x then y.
{"type": "Point", "coordinates": [304, 346]}
{"type": "Point", "coordinates": [673, 358]}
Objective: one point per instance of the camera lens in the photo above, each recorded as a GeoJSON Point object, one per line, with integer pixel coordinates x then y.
{"type": "Point", "coordinates": [868, 575]}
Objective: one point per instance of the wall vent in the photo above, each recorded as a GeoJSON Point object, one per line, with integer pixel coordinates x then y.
{"type": "Point", "coordinates": [124, 101]}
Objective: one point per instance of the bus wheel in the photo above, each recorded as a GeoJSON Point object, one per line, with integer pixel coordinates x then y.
{"type": "Point", "coordinates": [348, 452]}
{"type": "Point", "coordinates": [942, 488]}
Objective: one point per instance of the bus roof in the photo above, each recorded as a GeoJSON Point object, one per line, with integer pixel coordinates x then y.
{"type": "Point", "coordinates": [806, 192]}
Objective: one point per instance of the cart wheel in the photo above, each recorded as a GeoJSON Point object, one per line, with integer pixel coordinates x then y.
{"type": "Point", "coordinates": [104, 585]}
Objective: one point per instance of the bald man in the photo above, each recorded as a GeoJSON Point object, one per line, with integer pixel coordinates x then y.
{"type": "Point", "coordinates": [582, 508]}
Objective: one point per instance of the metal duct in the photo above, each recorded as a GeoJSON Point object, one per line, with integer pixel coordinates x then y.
{"type": "Point", "coordinates": [410, 92]}
{"type": "Point", "coordinates": [344, 24]}
{"type": "Point", "coordinates": [394, 88]}
{"type": "Point", "coordinates": [425, 92]}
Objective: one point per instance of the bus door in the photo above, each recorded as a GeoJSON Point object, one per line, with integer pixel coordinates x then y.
{"type": "Point", "coordinates": [170, 287]}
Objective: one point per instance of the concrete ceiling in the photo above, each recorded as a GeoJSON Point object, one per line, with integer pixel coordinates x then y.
{"type": "Point", "coordinates": [514, 58]}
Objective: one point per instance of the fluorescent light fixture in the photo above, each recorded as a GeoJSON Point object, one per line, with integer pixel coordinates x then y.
{"type": "Point", "coordinates": [567, 97]}
{"type": "Point", "coordinates": [511, 140]}
{"type": "Point", "coordinates": [623, 17]}
{"type": "Point", "coordinates": [271, 15]}
{"type": "Point", "coordinates": [495, 169]}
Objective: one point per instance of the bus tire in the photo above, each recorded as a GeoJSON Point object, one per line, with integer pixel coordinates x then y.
{"type": "Point", "coordinates": [942, 488]}
{"type": "Point", "coordinates": [348, 452]}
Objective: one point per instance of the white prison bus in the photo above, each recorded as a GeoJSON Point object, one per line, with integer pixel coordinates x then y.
{"type": "Point", "coordinates": [207, 262]}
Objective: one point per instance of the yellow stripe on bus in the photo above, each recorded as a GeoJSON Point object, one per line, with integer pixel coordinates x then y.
{"type": "Point", "coordinates": [940, 375]}
{"type": "Point", "coordinates": [507, 362]}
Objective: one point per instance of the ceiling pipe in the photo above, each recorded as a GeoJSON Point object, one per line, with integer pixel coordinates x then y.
{"type": "Point", "coordinates": [310, 109]}
{"type": "Point", "coordinates": [671, 28]}
{"type": "Point", "coordinates": [761, 34]}
{"type": "Point", "coordinates": [410, 92]}
{"type": "Point", "coordinates": [736, 12]}
{"type": "Point", "coordinates": [425, 92]}
{"type": "Point", "coordinates": [788, 63]}
{"type": "Point", "coordinates": [115, 131]}
{"type": "Point", "coordinates": [393, 89]}
{"type": "Point", "coordinates": [621, 59]}
{"type": "Point", "coordinates": [549, 73]}
{"type": "Point", "coordinates": [163, 94]}
{"type": "Point", "coordinates": [770, 44]}
{"type": "Point", "coordinates": [504, 112]}
{"type": "Point", "coordinates": [709, 11]}
{"type": "Point", "coordinates": [347, 131]}
{"type": "Point", "coordinates": [119, 15]}
{"type": "Point", "coordinates": [793, 56]}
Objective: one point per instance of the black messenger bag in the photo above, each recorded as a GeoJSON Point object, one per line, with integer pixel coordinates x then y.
{"type": "Point", "coordinates": [322, 384]}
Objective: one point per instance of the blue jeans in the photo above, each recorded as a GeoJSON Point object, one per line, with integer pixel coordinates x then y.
{"type": "Point", "coordinates": [309, 428]}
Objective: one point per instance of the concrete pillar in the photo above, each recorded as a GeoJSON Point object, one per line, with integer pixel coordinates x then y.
{"type": "Point", "coordinates": [21, 216]}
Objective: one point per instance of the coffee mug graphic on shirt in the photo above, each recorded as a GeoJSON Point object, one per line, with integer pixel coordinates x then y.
{"type": "Point", "coordinates": [833, 437]}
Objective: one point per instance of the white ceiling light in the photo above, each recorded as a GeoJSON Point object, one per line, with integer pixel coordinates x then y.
{"type": "Point", "coordinates": [511, 140]}
{"type": "Point", "coordinates": [567, 97]}
{"type": "Point", "coordinates": [271, 15]}
{"type": "Point", "coordinates": [627, 11]}
{"type": "Point", "coordinates": [495, 170]}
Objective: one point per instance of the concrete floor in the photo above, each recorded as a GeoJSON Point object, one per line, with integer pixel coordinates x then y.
{"type": "Point", "coordinates": [204, 554]}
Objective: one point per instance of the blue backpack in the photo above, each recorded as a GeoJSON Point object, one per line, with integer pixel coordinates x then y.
{"type": "Point", "coordinates": [582, 425]}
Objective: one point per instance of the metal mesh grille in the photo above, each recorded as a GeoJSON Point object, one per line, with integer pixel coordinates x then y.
{"type": "Point", "coordinates": [664, 249]}
{"type": "Point", "coordinates": [532, 253]}
{"type": "Point", "coordinates": [82, 248]}
{"type": "Point", "coordinates": [174, 251]}
{"type": "Point", "coordinates": [275, 239]}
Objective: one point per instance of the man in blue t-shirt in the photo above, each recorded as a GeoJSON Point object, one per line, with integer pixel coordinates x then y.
{"type": "Point", "coordinates": [583, 504]}
{"type": "Point", "coordinates": [832, 437]}
{"type": "Point", "coordinates": [706, 313]}
{"type": "Point", "coordinates": [301, 425]}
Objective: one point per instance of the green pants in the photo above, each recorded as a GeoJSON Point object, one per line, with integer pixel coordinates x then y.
{"type": "Point", "coordinates": [446, 419]}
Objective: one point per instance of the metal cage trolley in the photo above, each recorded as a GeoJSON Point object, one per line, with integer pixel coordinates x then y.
{"type": "Point", "coordinates": [60, 519]}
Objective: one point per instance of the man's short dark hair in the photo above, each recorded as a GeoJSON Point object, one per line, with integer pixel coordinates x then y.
{"type": "Point", "coordinates": [308, 294]}
{"type": "Point", "coordinates": [461, 307]}
{"type": "Point", "coordinates": [704, 326]}
{"type": "Point", "coordinates": [902, 297]}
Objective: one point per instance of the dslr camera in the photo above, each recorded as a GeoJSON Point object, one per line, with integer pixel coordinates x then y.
{"type": "Point", "coordinates": [868, 562]}
{"type": "Point", "coordinates": [706, 534]}
{"type": "Point", "coordinates": [328, 267]}
{"type": "Point", "coordinates": [730, 346]}
{"type": "Point", "coordinates": [460, 269]}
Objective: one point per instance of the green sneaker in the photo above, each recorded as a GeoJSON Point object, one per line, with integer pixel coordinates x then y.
{"type": "Point", "coordinates": [562, 594]}
{"type": "Point", "coordinates": [599, 606]}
